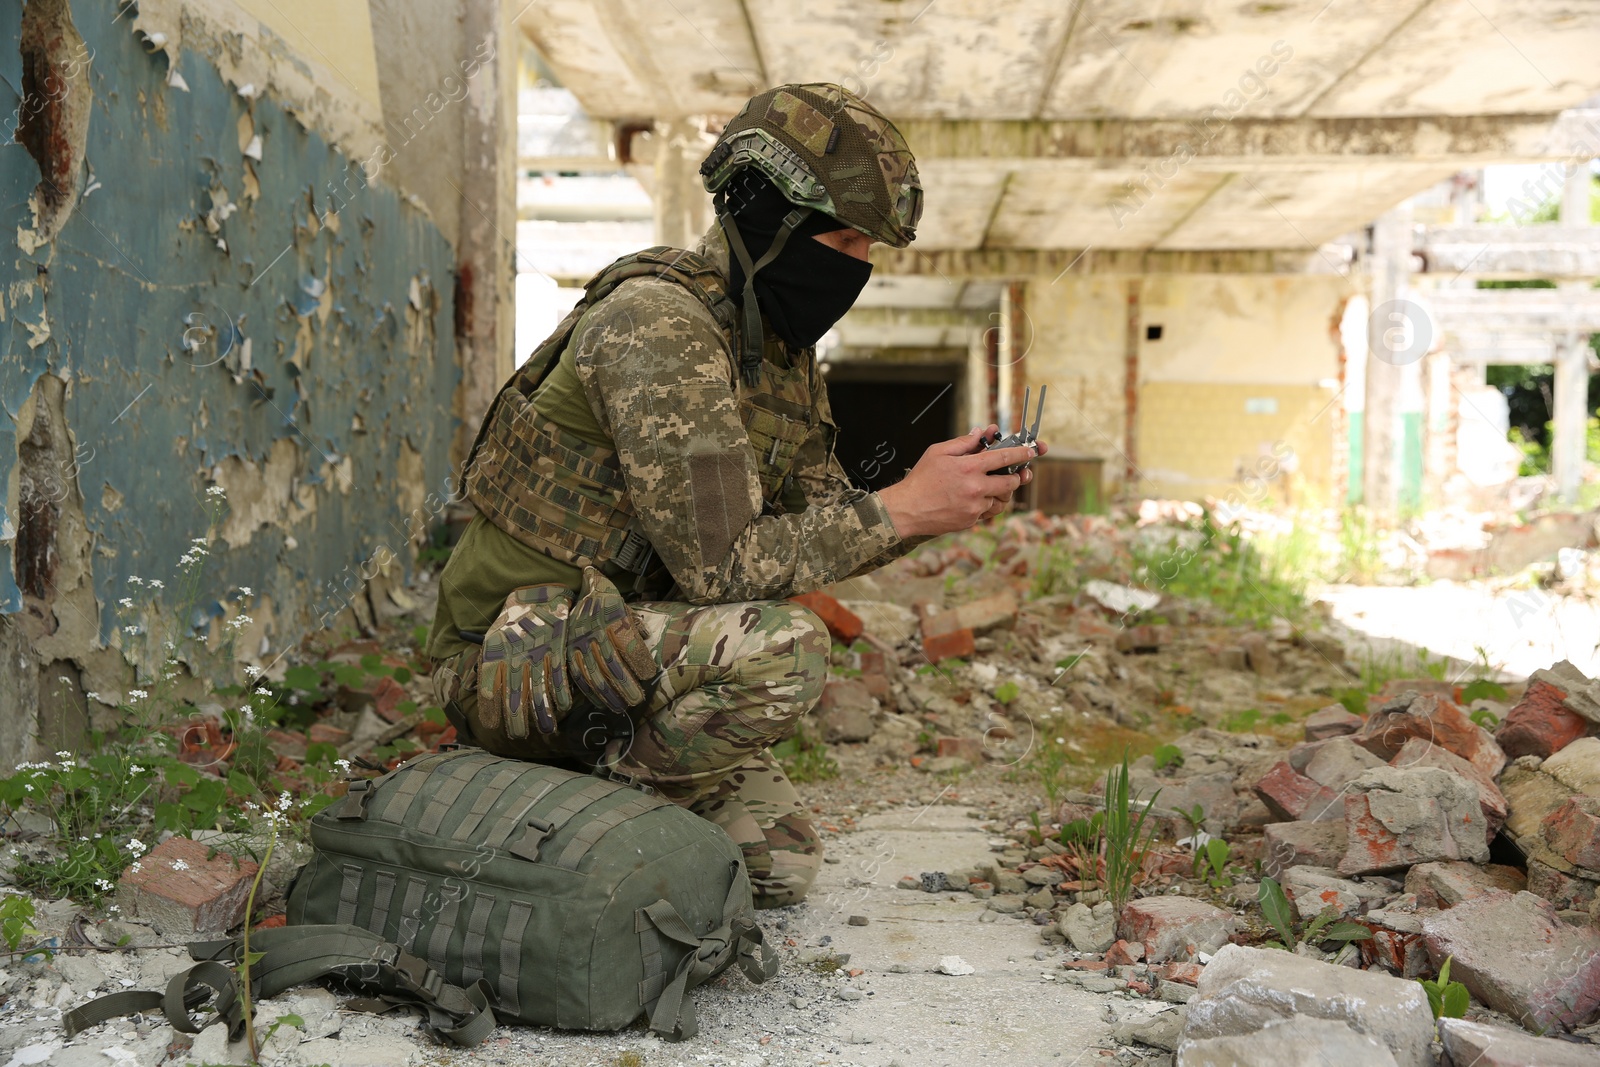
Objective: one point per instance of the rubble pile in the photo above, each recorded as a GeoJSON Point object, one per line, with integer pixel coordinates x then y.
{"type": "Point", "coordinates": [1410, 822]}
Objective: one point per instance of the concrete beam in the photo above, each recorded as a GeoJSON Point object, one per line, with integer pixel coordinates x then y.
{"type": "Point", "coordinates": [941, 318]}
{"type": "Point", "coordinates": [1543, 251]}
{"type": "Point", "coordinates": [1007, 263]}
{"type": "Point", "coordinates": [1453, 140]}
{"type": "Point", "coordinates": [1523, 311]}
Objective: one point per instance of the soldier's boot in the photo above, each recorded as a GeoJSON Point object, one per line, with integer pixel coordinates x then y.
{"type": "Point", "coordinates": [735, 679]}
{"type": "Point", "coordinates": [761, 811]}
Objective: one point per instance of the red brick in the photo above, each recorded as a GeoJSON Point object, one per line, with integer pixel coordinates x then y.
{"type": "Point", "coordinates": [323, 733]}
{"type": "Point", "coordinates": [386, 697]}
{"type": "Point", "coordinates": [1293, 797]}
{"type": "Point", "coordinates": [985, 613]}
{"type": "Point", "coordinates": [1183, 973]}
{"type": "Point", "coordinates": [1086, 965]}
{"type": "Point", "coordinates": [968, 748]}
{"type": "Point", "coordinates": [1124, 954]}
{"type": "Point", "coordinates": [1396, 951]}
{"type": "Point", "coordinates": [1435, 719]}
{"type": "Point", "coordinates": [842, 623]}
{"type": "Point", "coordinates": [183, 892]}
{"type": "Point", "coordinates": [956, 645]}
{"type": "Point", "coordinates": [1146, 638]}
{"type": "Point", "coordinates": [1573, 831]}
{"type": "Point", "coordinates": [1541, 724]}
{"type": "Point", "coordinates": [1172, 927]}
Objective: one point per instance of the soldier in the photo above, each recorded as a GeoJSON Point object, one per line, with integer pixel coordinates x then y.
{"type": "Point", "coordinates": [660, 474]}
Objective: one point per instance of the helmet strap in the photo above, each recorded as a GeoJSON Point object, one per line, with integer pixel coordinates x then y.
{"type": "Point", "coordinates": [751, 338]}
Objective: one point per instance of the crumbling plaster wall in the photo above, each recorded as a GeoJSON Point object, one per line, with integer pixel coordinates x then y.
{"type": "Point", "coordinates": [217, 280]}
{"type": "Point", "coordinates": [1239, 390]}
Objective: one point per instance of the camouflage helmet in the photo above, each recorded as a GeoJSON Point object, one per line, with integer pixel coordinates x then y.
{"type": "Point", "coordinates": [827, 149]}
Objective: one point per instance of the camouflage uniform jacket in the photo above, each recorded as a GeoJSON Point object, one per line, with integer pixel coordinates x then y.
{"type": "Point", "coordinates": [736, 488]}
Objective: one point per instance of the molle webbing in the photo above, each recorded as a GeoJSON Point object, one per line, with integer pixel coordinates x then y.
{"type": "Point", "coordinates": [549, 489]}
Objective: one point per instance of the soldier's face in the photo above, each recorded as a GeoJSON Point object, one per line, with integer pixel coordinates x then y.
{"type": "Point", "coordinates": [850, 242]}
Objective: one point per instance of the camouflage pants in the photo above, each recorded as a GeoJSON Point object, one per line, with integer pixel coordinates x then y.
{"type": "Point", "coordinates": [734, 679]}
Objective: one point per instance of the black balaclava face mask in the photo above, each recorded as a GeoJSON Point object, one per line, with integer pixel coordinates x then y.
{"type": "Point", "coordinates": [809, 286]}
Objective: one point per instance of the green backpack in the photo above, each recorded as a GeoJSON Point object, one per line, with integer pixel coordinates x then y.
{"type": "Point", "coordinates": [578, 902]}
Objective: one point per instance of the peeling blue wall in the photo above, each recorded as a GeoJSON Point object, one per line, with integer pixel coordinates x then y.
{"type": "Point", "coordinates": [133, 268]}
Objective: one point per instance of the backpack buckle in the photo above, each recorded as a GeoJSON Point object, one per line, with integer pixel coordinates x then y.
{"type": "Point", "coordinates": [611, 774]}
{"type": "Point", "coordinates": [355, 800]}
{"type": "Point", "coordinates": [528, 847]}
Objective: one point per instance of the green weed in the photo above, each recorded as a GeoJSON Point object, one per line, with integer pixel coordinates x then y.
{"type": "Point", "coordinates": [1279, 913]}
{"type": "Point", "coordinates": [805, 758]}
{"type": "Point", "coordinates": [1449, 1000]}
{"type": "Point", "coordinates": [1124, 835]}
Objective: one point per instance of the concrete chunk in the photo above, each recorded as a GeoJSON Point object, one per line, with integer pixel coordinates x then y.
{"type": "Point", "coordinates": [1287, 1043]}
{"type": "Point", "coordinates": [1292, 844]}
{"type": "Point", "coordinates": [1331, 721]}
{"type": "Point", "coordinates": [1514, 954]}
{"type": "Point", "coordinates": [1247, 990]}
{"type": "Point", "coordinates": [1395, 818]}
{"type": "Point", "coordinates": [1481, 1045]}
{"type": "Point", "coordinates": [1444, 885]}
{"type": "Point", "coordinates": [1176, 928]}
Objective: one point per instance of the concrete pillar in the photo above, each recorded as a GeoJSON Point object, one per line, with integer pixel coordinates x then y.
{"type": "Point", "coordinates": [977, 390]}
{"type": "Point", "coordinates": [1570, 405]}
{"type": "Point", "coordinates": [683, 210]}
{"type": "Point", "coordinates": [1575, 193]}
{"type": "Point", "coordinates": [485, 309]}
{"type": "Point", "coordinates": [1399, 334]}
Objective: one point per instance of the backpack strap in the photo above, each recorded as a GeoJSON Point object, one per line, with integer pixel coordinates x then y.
{"type": "Point", "coordinates": [737, 940]}
{"type": "Point", "coordinates": [295, 955]}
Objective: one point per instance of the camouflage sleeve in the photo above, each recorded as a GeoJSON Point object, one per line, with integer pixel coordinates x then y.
{"type": "Point", "coordinates": [661, 381]}
{"type": "Point", "coordinates": [822, 478]}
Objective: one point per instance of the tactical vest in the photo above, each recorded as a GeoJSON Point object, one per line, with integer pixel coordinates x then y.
{"type": "Point", "coordinates": [565, 497]}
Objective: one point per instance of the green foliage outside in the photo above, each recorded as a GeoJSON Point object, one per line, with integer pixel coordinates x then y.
{"type": "Point", "coordinates": [1280, 915]}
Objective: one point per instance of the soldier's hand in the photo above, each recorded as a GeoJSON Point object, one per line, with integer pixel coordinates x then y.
{"type": "Point", "coordinates": [951, 488]}
{"type": "Point", "coordinates": [523, 671]}
{"type": "Point", "coordinates": [609, 660]}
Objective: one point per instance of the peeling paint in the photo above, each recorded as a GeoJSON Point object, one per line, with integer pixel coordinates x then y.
{"type": "Point", "coordinates": [195, 323]}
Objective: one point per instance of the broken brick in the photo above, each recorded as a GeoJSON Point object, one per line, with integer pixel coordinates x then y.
{"type": "Point", "coordinates": [979, 616]}
{"type": "Point", "coordinates": [1541, 724]}
{"type": "Point", "coordinates": [1331, 721]}
{"type": "Point", "coordinates": [1146, 638]}
{"type": "Point", "coordinates": [1293, 797]}
{"type": "Point", "coordinates": [1567, 892]}
{"type": "Point", "coordinates": [1435, 719]}
{"type": "Point", "coordinates": [182, 889]}
{"type": "Point", "coordinates": [843, 624]}
{"type": "Point", "coordinates": [1399, 952]}
{"type": "Point", "coordinates": [323, 733]}
{"type": "Point", "coordinates": [1124, 954]}
{"type": "Point", "coordinates": [1176, 927]}
{"type": "Point", "coordinates": [967, 748]}
{"type": "Point", "coordinates": [958, 644]}
{"type": "Point", "coordinates": [1572, 832]}
{"type": "Point", "coordinates": [1183, 973]}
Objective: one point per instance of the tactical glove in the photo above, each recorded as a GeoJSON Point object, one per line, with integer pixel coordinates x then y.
{"type": "Point", "coordinates": [611, 664]}
{"type": "Point", "coordinates": [523, 671]}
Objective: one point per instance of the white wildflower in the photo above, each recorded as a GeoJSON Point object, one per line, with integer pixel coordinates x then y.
{"type": "Point", "coordinates": [216, 490]}
{"type": "Point", "coordinates": [63, 755]}
{"type": "Point", "coordinates": [284, 800]}
{"type": "Point", "coordinates": [239, 621]}
{"type": "Point", "coordinates": [137, 694]}
{"type": "Point", "coordinates": [113, 908]}
{"type": "Point", "coordinates": [137, 847]}
{"type": "Point", "coordinates": [135, 866]}
{"type": "Point", "coordinates": [103, 885]}
{"type": "Point", "coordinates": [130, 629]}
{"type": "Point", "coordinates": [263, 691]}
{"type": "Point", "coordinates": [134, 579]}
{"type": "Point", "coordinates": [185, 559]}
{"type": "Point", "coordinates": [343, 765]}
{"type": "Point", "coordinates": [27, 786]}
{"type": "Point", "coordinates": [126, 602]}
{"type": "Point", "coordinates": [247, 591]}
{"type": "Point", "coordinates": [156, 583]}
{"type": "Point", "coordinates": [135, 769]}
{"type": "Point", "coordinates": [92, 695]}
{"type": "Point", "coordinates": [252, 670]}
{"type": "Point", "coordinates": [179, 865]}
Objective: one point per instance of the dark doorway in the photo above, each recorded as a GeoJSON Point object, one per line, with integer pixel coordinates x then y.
{"type": "Point", "coordinates": [889, 415]}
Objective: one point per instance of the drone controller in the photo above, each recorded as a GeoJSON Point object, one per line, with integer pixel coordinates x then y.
{"type": "Point", "coordinates": [1024, 435]}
